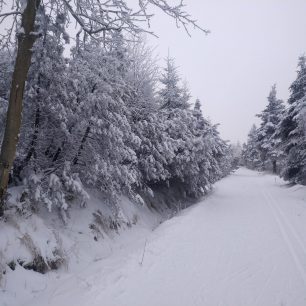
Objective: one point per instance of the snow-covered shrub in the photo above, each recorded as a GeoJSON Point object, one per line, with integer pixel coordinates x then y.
{"type": "Point", "coordinates": [36, 247]}
{"type": "Point", "coordinates": [55, 191]}
{"type": "Point", "coordinates": [104, 225]}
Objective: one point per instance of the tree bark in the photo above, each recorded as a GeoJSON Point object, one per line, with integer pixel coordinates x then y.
{"type": "Point", "coordinates": [32, 150]}
{"type": "Point", "coordinates": [274, 166]}
{"type": "Point", "coordinates": [81, 147]}
{"type": "Point", "coordinates": [26, 39]}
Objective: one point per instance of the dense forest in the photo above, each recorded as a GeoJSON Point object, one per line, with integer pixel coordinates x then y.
{"type": "Point", "coordinates": [105, 117]}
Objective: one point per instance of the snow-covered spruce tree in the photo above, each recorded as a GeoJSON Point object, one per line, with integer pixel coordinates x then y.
{"type": "Point", "coordinates": [292, 129]}
{"type": "Point", "coordinates": [250, 154]}
{"type": "Point", "coordinates": [213, 155]}
{"type": "Point", "coordinates": [155, 151]}
{"type": "Point", "coordinates": [267, 141]}
{"type": "Point", "coordinates": [172, 94]}
{"type": "Point", "coordinates": [105, 154]}
{"type": "Point", "coordinates": [197, 147]}
{"type": "Point", "coordinates": [159, 151]}
{"type": "Point", "coordinates": [208, 150]}
{"type": "Point", "coordinates": [177, 125]}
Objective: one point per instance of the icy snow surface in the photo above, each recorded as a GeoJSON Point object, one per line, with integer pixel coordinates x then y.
{"type": "Point", "coordinates": [243, 245]}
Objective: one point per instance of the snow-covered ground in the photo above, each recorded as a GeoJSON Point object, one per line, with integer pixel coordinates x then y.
{"type": "Point", "coordinates": [243, 245]}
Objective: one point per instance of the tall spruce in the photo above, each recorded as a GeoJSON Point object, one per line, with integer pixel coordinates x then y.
{"type": "Point", "coordinates": [172, 94]}
{"type": "Point", "coordinates": [266, 138]}
{"type": "Point", "coordinates": [292, 129]}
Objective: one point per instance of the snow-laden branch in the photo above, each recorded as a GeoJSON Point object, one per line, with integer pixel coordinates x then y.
{"type": "Point", "coordinates": [97, 16]}
{"type": "Point", "coordinates": [177, 12]}
{"type": "Point", "coordinates": [100, 18]}
{"type": "Point", "coordinates": [10, 13]}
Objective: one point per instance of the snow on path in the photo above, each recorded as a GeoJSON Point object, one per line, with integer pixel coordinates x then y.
{"type": "Point", "coordinates": [243, 245]}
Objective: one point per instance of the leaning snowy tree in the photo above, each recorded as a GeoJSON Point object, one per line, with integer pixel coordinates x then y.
{"type": "Point", "coordinates": [93, 18]}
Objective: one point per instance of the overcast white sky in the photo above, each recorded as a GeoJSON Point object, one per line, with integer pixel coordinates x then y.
{"type": "Point", "coordinates": [253, 44]}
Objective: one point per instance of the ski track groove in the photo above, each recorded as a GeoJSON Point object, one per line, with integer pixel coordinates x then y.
{"type": "Point", "coordinates": [287, 222]}
{"type": "Point", "coordinates": [265, 286]}
{"type": "Point", "coordinates": [293, 250]}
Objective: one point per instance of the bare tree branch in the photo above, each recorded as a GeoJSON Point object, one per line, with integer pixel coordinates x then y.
{"type": "Point", "coordinates": [9, 14]}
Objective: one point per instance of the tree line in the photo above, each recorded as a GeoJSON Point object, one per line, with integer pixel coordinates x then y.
{"type": "Point", "coordinates": [105, 118]}
{"type": "Point", "coordinates": [279, 143]}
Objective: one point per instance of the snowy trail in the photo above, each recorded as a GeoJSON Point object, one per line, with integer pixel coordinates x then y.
{"type": "Point", "coordinates": [243, 245]}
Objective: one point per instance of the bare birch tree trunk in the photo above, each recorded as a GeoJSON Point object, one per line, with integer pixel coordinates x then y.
{"type": "Point", "coordinates": [26, 39]}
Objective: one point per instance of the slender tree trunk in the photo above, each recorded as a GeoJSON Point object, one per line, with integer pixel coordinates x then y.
{"type": "Point", "coordinates": [274, 167]}
{"type": "Point", "coordinates": [32, 148]}
{"type": "Point", "coordinates": [81, 147]}
{"type": "Point", "coordinates": [58, 152]}
{"type": "Point", "coordinates": [85, 136]}
{"type": "Point", "coordinates": [26, 39]}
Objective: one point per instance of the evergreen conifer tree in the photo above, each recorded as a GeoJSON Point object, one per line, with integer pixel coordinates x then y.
{"type": "Point", "coordinates": [267, 141]}
{"type": "Point", "coordinates": [292, 129]}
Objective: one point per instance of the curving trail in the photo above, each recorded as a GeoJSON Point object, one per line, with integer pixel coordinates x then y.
{"type": "Point", "coordinates": [244, 245]}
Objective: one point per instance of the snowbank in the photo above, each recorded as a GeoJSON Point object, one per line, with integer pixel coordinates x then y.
{"type": "Point", "coordinates": [41, 242]}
